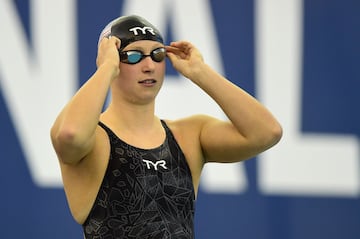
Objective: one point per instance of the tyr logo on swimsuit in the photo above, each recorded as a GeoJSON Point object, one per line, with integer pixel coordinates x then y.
{"type": "Point", "coordinates": [161, 163]}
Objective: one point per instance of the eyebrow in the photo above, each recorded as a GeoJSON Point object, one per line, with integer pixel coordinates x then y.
{"type": "Point", "coordinates": [142, 49]}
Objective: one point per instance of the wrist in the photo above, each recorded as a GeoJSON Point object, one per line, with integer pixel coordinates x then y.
{"type": "Point", "coordinates": [110, 68]}
{"type": "Point", "coordinates": [199, 73]}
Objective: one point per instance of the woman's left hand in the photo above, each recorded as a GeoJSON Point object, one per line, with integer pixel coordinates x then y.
{"type": "Point", "coordinates": [185, 58]}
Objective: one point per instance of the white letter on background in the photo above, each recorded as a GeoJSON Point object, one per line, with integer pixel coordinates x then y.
{"type": "Point", "coordinates": [302, 164]}
{"type": "Point", "coordinates": [37, 80]}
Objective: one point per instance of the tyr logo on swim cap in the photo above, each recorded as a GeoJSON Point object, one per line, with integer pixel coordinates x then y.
{"type": "Point", "coordinates": [131, 28]}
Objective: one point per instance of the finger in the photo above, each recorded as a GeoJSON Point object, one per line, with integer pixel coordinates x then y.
{"type": "Point", "coordinates": [182, 45]}
{"type": "Point", "coordinates": [102, 41]}
{"type": "Point", "coordinates": [181, 53]}
{"type": "Point", "coordinates": [172, 49]}
{"type": "Point", "coordinates": [179, 43]}
{"type": "Point", "coordinates": [116, 41]}
{"type": "Point", "coordinates": [174, 59]}
{"type": "Point", "coordinates": [170, 55]}
{"type": "Point", "coordinates": [173, 55]}
{"type": "Point", "coordinates": [178, 54]}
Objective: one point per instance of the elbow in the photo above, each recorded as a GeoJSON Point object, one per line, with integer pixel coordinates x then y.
{"type": "Point", "coordinates": [278, 133]}
{"type": "Point", "coordinates": [66, 145]}
{"type": "Point", "coordinates": [274, 136]}
{"type": "Point", "coordinates": [63, 136]}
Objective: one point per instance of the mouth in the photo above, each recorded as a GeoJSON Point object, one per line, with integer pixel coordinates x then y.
{"type": "Point", "coordinates": [148, 82]}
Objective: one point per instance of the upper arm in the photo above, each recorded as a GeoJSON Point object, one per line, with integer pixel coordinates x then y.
{"type": "Point", "coordinates": [222, 142]}
{"type": "Point", "coordinates": [82, 180]}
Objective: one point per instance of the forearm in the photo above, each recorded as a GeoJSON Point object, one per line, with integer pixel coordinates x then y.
{"type": "Point", "coordinates": [249, 116]}
{"type": "Point", "coordinates": [78, 120]}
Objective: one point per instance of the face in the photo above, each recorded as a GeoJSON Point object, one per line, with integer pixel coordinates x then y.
{"type": "Point", "coordinates": [142, 70]}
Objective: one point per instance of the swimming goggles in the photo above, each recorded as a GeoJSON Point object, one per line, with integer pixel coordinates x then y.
{"type": "Point", "coordinates": [135, 56]}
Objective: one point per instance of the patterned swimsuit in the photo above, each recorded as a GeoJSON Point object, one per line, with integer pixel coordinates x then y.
{"type": "Point", "coordinates": [145, 193]}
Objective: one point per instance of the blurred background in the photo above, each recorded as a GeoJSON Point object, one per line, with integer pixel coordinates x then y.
{"type": "Point", "coordinates": [300, 58]}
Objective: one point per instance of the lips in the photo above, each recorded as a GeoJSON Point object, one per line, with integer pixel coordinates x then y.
{"type": "Point", "coordinates": [148, 82]}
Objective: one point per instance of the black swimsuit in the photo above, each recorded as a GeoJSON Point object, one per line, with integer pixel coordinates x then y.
{"type": "Point", "coordinates": [145, 193]}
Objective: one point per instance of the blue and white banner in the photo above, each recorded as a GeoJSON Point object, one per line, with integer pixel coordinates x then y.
{"type": "Point", "coordinates": [300, 58]}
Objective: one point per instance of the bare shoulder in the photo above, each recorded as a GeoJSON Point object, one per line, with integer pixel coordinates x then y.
{"type": "Point", "coordinates": [190, 123]}
{"type": "Point", "coordinates": [189, 128]}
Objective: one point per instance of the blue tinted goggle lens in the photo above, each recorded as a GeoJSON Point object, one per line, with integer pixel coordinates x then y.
{"type": "Point", "coordinates": [134, 56]}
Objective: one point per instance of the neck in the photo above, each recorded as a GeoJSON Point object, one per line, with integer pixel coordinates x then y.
{"type": "Point", "coordinates": [130, 116]}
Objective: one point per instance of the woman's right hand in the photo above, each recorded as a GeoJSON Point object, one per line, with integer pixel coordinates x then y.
{"type": "Point", "coordinates": [108, 51]}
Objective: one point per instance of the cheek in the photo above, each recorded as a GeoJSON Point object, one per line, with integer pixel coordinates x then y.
{"type": "Point", "coordinates": [126, 71]}
{"type": "Point", "coordinates": [123, 68]}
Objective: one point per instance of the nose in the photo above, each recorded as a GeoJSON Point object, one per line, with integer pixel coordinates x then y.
{"type": "Point", "coordinates": [148, 64]}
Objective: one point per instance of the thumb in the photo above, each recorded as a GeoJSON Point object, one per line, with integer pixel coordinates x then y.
{"type": "Point", "coordinates": [117, 41]}
{"type": "Point", "coordinates": [175, 60]}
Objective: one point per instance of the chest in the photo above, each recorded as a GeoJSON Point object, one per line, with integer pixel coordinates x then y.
{"type": "Point", "coordinates": [157, 172]}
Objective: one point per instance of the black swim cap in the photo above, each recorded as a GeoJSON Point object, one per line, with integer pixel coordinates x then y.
{"type": "Point", "coordinates": [131, 28]}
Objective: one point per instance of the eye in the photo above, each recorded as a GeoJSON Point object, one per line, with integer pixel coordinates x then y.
{"type": "Point", "coordinates": [158, 54]}
{"type": "Point", "coordinates": [134, 56]}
